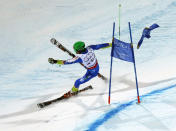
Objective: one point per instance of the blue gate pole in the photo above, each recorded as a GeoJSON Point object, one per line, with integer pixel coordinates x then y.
{"type": "Point", "coordinates": [134, 63]}
{"type": "Point", "coordinates": [109, 98]}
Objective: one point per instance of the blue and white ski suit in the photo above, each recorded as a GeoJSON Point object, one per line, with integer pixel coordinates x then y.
{"type": "Point", "coordinates": [89, 61]}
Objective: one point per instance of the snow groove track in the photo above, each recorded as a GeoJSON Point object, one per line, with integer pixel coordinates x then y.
{"type": "Point", "coordinates": [100, 121]}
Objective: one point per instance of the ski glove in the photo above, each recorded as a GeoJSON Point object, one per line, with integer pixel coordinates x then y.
{"type": "Point", "coordinates": [52, 61]}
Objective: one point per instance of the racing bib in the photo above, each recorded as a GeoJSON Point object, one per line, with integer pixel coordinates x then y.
{"type": "Point", "coordinates": [89, 59]}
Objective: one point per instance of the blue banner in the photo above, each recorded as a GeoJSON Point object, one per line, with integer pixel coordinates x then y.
{"type": "Point", "coordinates": [122, 51]}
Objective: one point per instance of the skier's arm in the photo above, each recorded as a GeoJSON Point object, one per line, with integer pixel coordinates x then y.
{"type": "Point", "coordinates": [101, 46]}
{"type": "Point", "coordinates": [72, 61]}
{"type": "Point", "coordinates": [62, 62]}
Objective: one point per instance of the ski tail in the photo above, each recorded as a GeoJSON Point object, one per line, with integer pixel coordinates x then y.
{"type": "Point", "coordinates": [60, 46]}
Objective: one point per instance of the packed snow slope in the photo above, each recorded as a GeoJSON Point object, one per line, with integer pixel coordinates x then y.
{"type": "Point", "coordinates": [26, 77]}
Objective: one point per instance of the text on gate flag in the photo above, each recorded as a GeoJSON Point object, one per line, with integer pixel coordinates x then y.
{"type": "Point", "coordinates": [122, 50]}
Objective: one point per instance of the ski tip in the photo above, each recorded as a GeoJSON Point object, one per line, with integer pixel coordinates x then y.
{"type": "Point", "coordinates": [91, 87]}
{"type": "Point", "coordinates": [40, 105]}
{"type": "Point", "coordinates": [53, 40]}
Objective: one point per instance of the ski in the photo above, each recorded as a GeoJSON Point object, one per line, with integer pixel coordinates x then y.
{"type": "Point", "coordinates": [65, 96]}
{"type": "Point", "coordinates": [60, 46]}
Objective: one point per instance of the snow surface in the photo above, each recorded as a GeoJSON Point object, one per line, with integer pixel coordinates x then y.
{"type": "Point", "coordinates": [26, 78]}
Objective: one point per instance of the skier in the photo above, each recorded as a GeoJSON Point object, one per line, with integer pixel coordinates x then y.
{"type": "Point", "coordinates": [85, 56]}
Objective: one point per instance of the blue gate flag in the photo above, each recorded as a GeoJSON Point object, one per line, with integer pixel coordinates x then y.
{"type": "Point", "coordinates": [122, 51]}
{"type": "Point", "coordinates": [146, 33]}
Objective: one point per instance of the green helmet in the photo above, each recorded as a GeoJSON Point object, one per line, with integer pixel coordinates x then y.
{"type": "Point", "coordinates": [79, 46]}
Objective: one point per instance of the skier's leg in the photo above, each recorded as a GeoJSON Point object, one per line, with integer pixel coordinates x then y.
{"type": "Point", "coordinates": [89, 75]}
{"type": "Point", "coordinates": [83, 79]}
